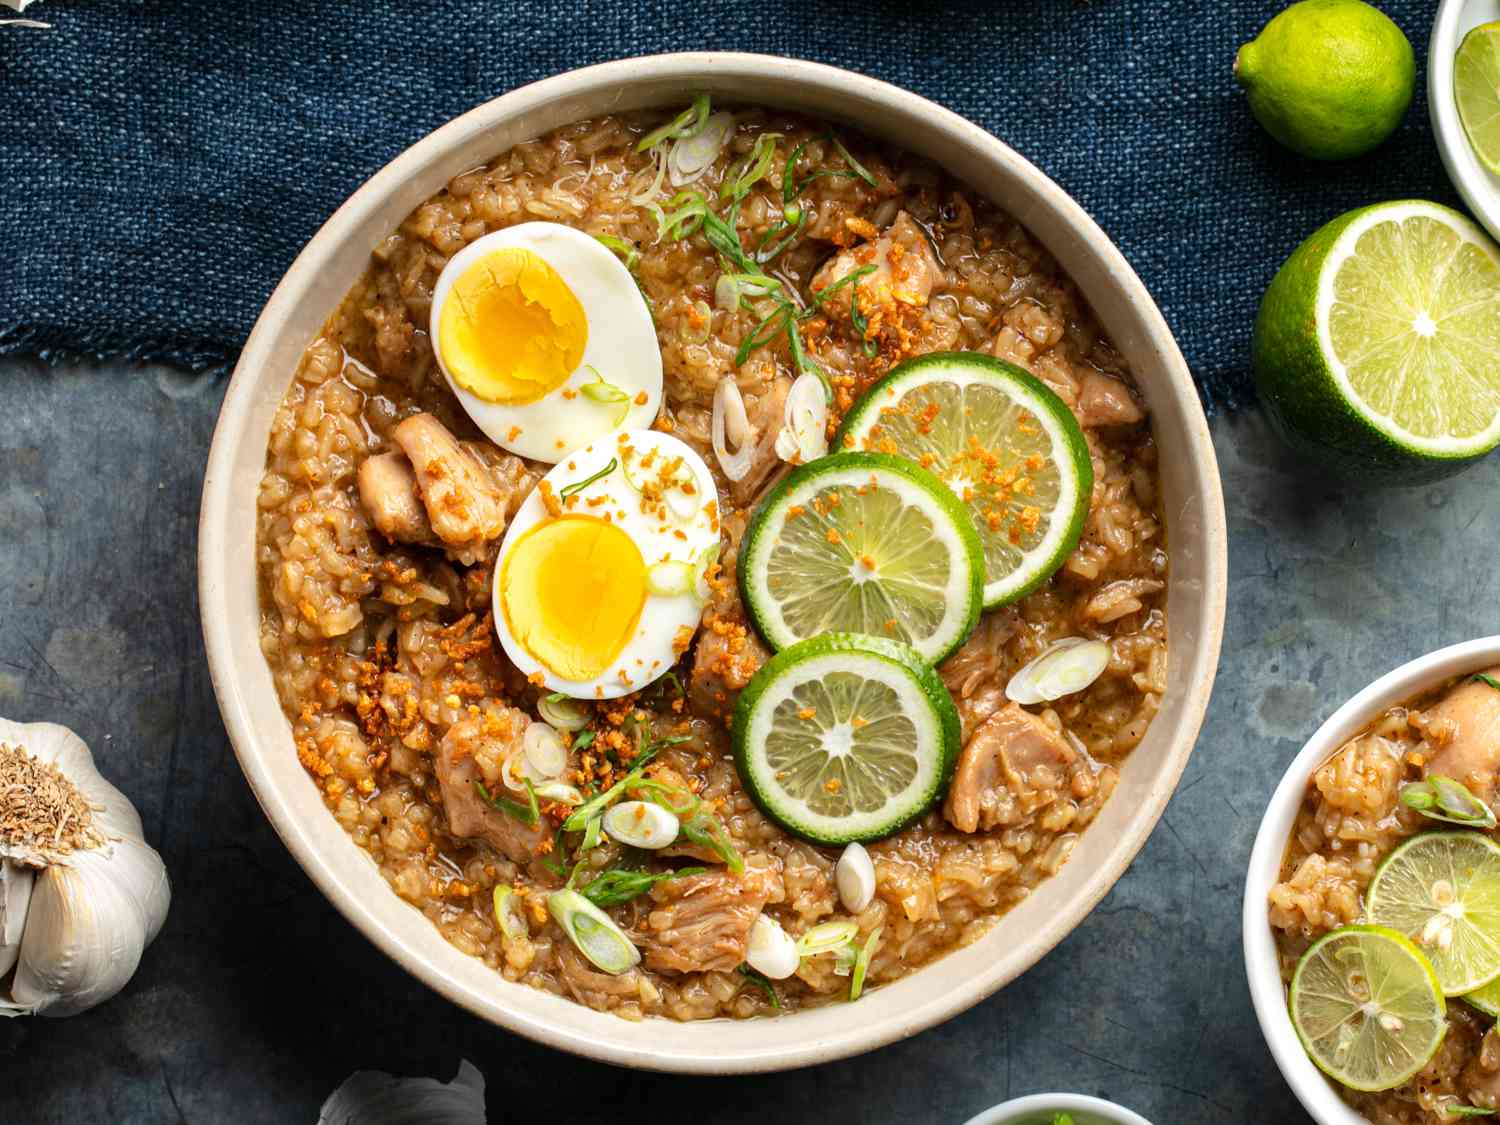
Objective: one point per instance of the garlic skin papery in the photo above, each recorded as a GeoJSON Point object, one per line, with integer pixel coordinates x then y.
{"type": "Point", "coordinates": [80, 899]}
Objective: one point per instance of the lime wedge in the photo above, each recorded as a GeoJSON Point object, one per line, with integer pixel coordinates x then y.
{"type": "Point", "coordinates": [1476, 89]}
{"type": "Point", "coordinates": [1001, 440]}
{"type": "Point", "coordinates": [1367, 1007]}
{"type": "Point", "coordinates": [844, 738]}
{"type": "Point", "coordinates": [1377, 346]}
{"type": "Point", "coordinates": [1442, 890]}
{"type": "Point", "coordinates": [862, 543]}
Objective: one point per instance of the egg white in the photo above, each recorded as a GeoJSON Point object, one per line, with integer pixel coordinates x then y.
{"type": "Point", "coordinates": [649, 653]}
{"type": "Point", "coordinates": [621, 346]}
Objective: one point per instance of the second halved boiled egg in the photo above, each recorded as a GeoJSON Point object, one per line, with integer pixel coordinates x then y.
{"type": "Point", "coordinates": [545, 339]}
{"type": "Point", "coordinates": [599, 581]}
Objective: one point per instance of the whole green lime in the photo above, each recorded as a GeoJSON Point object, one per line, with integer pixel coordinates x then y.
{"type": "Point", "coordinates": [1330, 79]}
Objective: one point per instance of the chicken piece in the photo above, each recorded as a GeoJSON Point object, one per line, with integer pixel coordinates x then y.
{"type": "Point", "coordinates": [1465, 725]}
{"type": "Point", "coordinates": [702, 922]}
{"type": "Point", "coordinates": [508, 473]}
{"type": "Point", "coordinates": [1481, 1078]}
{"type": "Point", "coordinates": [905, 271]}
{"type": "Point", "coordinates": [1013, 765]}
{"type": "Point", "coordinates": [728, 654]}
{"type": "Point", "coordinates": [388, 491]}
{"type": "Point", "coordinates": [1105, 401]}
{"type": "Point", "coordinates": [588, 985]}
{"type": "Point", "coordinates": [471, 754]}
{"type": "Point", "coordinates": [975, 674]}
{"type": "Point", "coordinates": [464, 504]}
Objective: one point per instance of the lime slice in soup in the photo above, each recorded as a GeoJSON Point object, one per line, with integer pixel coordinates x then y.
{"type": "Point", "coordinates": [1476, 91]}
{"type": "Point", "coordinates": [843, 738]}
{"type": "Point", "coordinates": [1002, 441]}
{"type": "Point", "coordinates": [1442, 890]}
{"type": "Point", "coordinates": [1367, 1007]}
{"type": "Point", "coordinates": [862, 543]}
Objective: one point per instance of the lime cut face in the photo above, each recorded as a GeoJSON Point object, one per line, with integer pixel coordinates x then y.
{"type": "Point", "coordinates": [1008, 447]}
{"type": "Point", "coordinates": [844, 738]}
{"type": "Point", "coordinates": [1486, 999]}
{"type": "Point", "coordinates": [1442, 890]}
{"type": "Point", "coordinates": [861, 543]}
{"type": "Point", "coordinates": [1410, 307]}
{"type": "Point", "coordinates": [1367, 1007]}
{"type": "Point", "coordinates": [1476, 91]}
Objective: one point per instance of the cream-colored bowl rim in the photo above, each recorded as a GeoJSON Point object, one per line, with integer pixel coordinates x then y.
{"type": "Point", "coordinates": [328, 266]}
{"type": "Point", "coordinates": [1262, 966]}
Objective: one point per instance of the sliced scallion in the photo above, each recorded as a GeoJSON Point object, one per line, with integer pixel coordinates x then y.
{"type": "Point", "coordinates": [579, 485]}
{"type": "Point", "coordinates": [602, 391]}
{"type": "Point", "coordinates": [529, 813]}
{"type": "Point", "coordinates": [593, 932]}
{"type": "Point", "coordinates": [1442, 798]}
{"type": "Point", "coordinates": [670, 578]}
{"type": "Point", "coordinates": [688, 123]}
{"type": "Point", "coordinates": [508, 914]}
{"type": "Point", "coordinates": [563, 713]}
{"type": "Point", "coordinates": [559, 792]}
{"type": "Point", "coordinates": [620, 885]}
{"type": "Point", "coordinates": [687, 212]}
{"type": "Point", "coordinates": [1483, 678]}
{"type": "Point", "coordinates": [759, 981]}
{"type": "Point", "coordinates": [750, 169]}
{"type": "Point", "coordinates": [692, 156]}
{"type": "Point", "coordinates": [626, 250]}
{"type": "Point", "coordinates": [862, 965]}
{"type": "Point", "coordinates": [829, 937]}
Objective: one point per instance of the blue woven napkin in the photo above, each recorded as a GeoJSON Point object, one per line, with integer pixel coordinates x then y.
{"type": "Point", "coordinates": [162, 162]}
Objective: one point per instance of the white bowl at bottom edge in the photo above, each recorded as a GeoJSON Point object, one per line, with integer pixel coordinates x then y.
{"type": "Point", "coordinates": [1313, 1089]}
{"type": "Point", "coordinates": [1036, 1109]}
{"type": "Point", "coordinates": [324, 272]}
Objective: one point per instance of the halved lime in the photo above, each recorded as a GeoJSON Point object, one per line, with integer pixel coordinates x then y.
{"type": "Point", "coordinates": [844, 737]}
{"type": "Point", "coordinates": [1486, 999]}
{"type": "Point", "coordinates": [1377, 345]}
{"type": "Point", "coordinates": [1442, 890]}
{"type": "Point", "coordinates": [1476, 90]}
{"type": "Point", "coordinates": [862, 543]}
{"type": "Point", "coordinates": [1367, 1007]}
{"type": "Point", "coordinates": [1001, 440]}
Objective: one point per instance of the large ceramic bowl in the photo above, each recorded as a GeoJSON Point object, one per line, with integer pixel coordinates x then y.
{"type": "Point", "coordinates": [1262, 967]}
{"type": "Point", "coordinates": [325, 271]}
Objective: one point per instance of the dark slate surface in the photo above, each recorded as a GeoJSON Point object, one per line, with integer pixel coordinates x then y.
{"type": "Point", "coordinates": [258, 999]}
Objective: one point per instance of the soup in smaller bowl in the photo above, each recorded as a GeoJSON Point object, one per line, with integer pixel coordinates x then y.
{"type": "Point", "coordinates": [1373, 907]}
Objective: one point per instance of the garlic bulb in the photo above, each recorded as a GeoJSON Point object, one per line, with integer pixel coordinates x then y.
{"type": "Point", "coordinates": [371, 1097]}
{"type": "Point", "coordinates": [81, 892]}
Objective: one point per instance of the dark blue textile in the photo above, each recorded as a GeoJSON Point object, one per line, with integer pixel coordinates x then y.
{"type": "Point", "coordinates": [162, 162]}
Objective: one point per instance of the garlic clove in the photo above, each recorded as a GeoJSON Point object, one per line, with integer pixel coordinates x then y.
{"type": "Point", "coordinates": [15, 897]}
{"type": "Point", "coordinates": [371, 1097]}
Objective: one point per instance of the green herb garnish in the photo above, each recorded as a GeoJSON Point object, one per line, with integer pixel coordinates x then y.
{"type": "Point", "coordinates": [620, 884]}
{"type": "Point", "coordinates": [602, 391]}
{"type": "Point", "coordinates": [528, 814]}
{"type": "Point", "coordinates": [688, 123]}
{"type": "Point", "coordinates": [763, 983]}
{"type": "Point", "coordinates": [1466, 1111]}
{"type": "Point", "coordinates": [580, 485]}
{"type": "Point", "coordinates": [750, 169]}
{"type": "Point", "coordinates": [584, 740]}
{"type": "Point", "coordinates": [626, 250]}
{"type": "Point", "coordinates": [1483, 678]}
{"type": "Point", "coordinates": [1062, 1119]}
{"type": "Point", "coordinates": [1442, 798]}
{"type": "Point", "coordinates": [689, 210]}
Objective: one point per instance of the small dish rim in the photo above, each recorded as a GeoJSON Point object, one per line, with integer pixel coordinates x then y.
{"type": "Point", "coordinates": [1479, 188]}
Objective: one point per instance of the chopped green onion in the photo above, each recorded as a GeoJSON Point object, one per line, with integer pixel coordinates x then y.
{"type": "Point", "coordinates": [861, 324]}
{"type": "Point", "coordinates": [722, 237]}
{"type": "Point", "coordinates": [771, 326]}
{"type": "Point", "coordinates": [508, 914]}
{"type": "Point", "coordinates": [793, 214]}
{"type": "Point", "coordinates": [859, 169]}
{"type": "Point", "coordinates": [688, 123]}
{"type": "Point", "coordinates": [1466, 1111]}
{"type": "Point", "coordinates": [732, 288]}
{"type": "Point", "coordinates": [596, 805]}
{"type": "Point", "coordinates": [669, 578]}
{"type": "Point", "coordinates": [528, 814]}
{"type": "Point", "coordinates": [769, 253]}
{"type": "Point", "coordinates": [593, 833]}
{"type": "Point", "coordinates": [1487, 679]}
{"type": "Point", "coordinates": [789, 188]}
{"type": "Point", "coordinates": [619, 885]}
{"type": "Point", "coordinates": [703, 828]}
{"type": "Point", "coordinates": [563, 712]}
{"type": "Point", "coordinates": [692, 156]}
{"type": "Point", "coordinates": [1442, 798]}
{"type": "Point", "coordinates": [554, 861]}
{"type": "Point", "coordinates": [804, 363]}
{"type": "Point", "coordinates": [1062, 1119]}
{"type": "Point", "coordinates": [761, 982]}
{"type": "Point", "coordinates": [593, 932]}
{"type": "Point", "coordinates": [580, 485]}
{"type": "Point", "coordinates": [850, 278]}
{"type": "Point", "coordinates": [626, 250]}
{"type": "Point", "coordinates": [690, 212]}
{"type": "Point", "coordinates": [862, 965]}
{"type": "Point", "coordinates": [560, 792]}
{"type": "Point", "coordinates": [749, 170]}
{"type": "Point", "coordinates": [606, 393]}
{"type": "Point", "coordinates": [829, 937]}
{"type": "Point", "coordinates": [584, 740]}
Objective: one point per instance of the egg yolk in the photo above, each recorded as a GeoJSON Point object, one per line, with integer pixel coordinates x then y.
{"type": "Point", "coordinates": [572, 590]}
{"type": "Point", "coordinates": [511, 330]}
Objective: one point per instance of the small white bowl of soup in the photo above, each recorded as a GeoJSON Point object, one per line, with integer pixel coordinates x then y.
{"type": "Point", "coordinates": [1057, 1109]}
{"type": "Point", "coordinates": [1416, 681]}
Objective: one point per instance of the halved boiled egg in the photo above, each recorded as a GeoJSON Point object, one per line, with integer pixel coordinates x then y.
{"type": "Point", "coordinates": [599, 582]}
{"type": "Point", "coordinates": [545, 339]}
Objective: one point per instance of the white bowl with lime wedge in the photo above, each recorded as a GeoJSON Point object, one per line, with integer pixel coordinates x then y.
{"type": "Point", "coordinates": [1262, 965]}
{"type": "Point", "coordinates": [1478, 184]}
{"type": "Point", "coordinates": [1057, 1109]}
